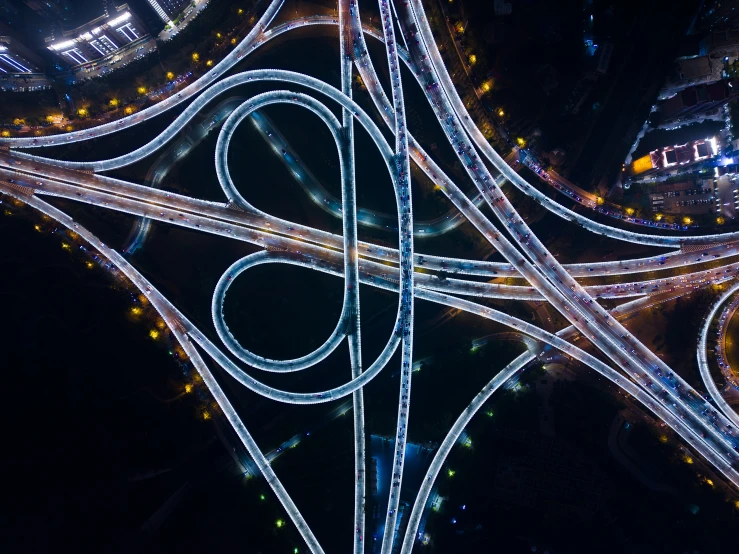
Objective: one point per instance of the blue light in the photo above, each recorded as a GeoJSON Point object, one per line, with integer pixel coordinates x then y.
{"type": "Point", "coordinates": [464, 506]}
{"type": "Point", "coordinates": [454, 521]}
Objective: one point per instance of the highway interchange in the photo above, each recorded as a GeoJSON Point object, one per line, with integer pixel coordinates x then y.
{"type": "Point", "coordinates": [711, 432]}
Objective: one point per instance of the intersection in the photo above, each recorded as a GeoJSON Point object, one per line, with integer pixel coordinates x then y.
{"type": "Point", "coordinates": [632, 366]}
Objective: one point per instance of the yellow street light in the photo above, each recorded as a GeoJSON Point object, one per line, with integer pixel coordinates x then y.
{"type": "Point", "coordinates": [136, 310]}
{"type": "Point", "coordinates": [50, 119]}
{"type": "Point", "coordinates": [521, 142]}
{"type": "Point", "coordinates": [82, 112]}
{"type": "Point", "coordinates": [129, 110]}
{"type": "Point", "coordinates": [240, 11]}
{"type": "Point", "coordinates": [486, 86]}
{"type": "Point", "coordinates": [473, 59]}
{"type": "Point", "coordinates": [206, 415]}
{"type": "Point", "coordinates": [720, 220]}
{"type": "Point", "coordinates": [233, 40]}
{"type": "Point", "coordinates": [209, 63]}
{"type": "Point", "coordinates": [629, 211]}
{"type": "Point", "coordinates": [188, 388]}
{"type": "Point", "coordinates": [114, 102]}
{"type": "Point", "coordinates": [69, 128]}
{"type": "Point", "coordinates": [501, 113]}
{"type": "Point", "coordinates": [154, 334]}
{"type": "Point", "coordinates": [170, 75]}
{"type": "Point", "coordinates": [658, 217]}
{"type": "Point", "coordinates": [195, 57]}
{"type": "Point", "coordinates": [687, 220]}
{"type": "Point", "coordinates": [89, 265]}
{"type": "Point", "coordinates": [5, 133]}
{"type": "Point", "coordinates": [141, 90]}
{"type": "Point", "coordinates": [219, 36]}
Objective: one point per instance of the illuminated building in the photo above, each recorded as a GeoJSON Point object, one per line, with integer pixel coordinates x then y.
{"type": "Point", "coordinates": [110, 37]}
{"type": "Point", "coordinates": [168, 10]}
{"type": "Point", "coordinates": [675, 157]}
{"type": "Point", "coordinates": [15, 58]}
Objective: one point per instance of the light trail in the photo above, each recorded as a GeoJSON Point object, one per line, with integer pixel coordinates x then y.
{"type": "Point", "coordinates": [642, 374]}
{"type": "Point", "coordinates": [705, 372]}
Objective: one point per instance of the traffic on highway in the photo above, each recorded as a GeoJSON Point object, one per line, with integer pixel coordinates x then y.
{"type": "Point", "coordinates": [575, 291]}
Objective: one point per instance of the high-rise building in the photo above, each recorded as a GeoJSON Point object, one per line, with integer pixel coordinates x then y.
{"type": "Point", "coordinates": [53, 11]}
{"type": "Point", "coordinates": [15, 58]}
{"type": "Point", "coordinates": [8, 10]}
{"type": "Point", "coordinates": [107, 35]}
{"type": "Point", "coordinates": [168, 10]}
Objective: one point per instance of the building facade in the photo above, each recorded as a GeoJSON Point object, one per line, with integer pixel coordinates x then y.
{"type": "Point", "coordinates": [52, 11]}
{"type": "Point", "coordinates": [168, 10]}
{"type": "Point", "coordinates": [103, 37]}
{"type": "Point", "coordinates": [15, 58]}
